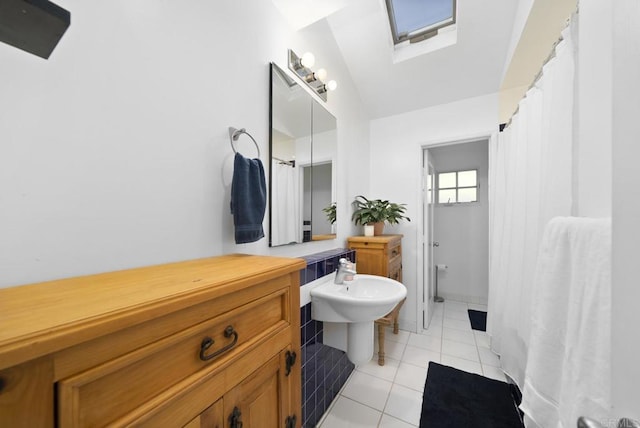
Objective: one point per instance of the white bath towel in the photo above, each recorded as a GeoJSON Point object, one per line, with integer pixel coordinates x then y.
{"type": "Point", "coordinates": [569, 357]}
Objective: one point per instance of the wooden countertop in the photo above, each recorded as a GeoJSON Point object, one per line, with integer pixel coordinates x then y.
{"type": "Point", "coordinates": [379, 239]}
{"type": "Point", "coordinates": [323, 237]}
{"type": "Point", "coordinates": [56, 314]}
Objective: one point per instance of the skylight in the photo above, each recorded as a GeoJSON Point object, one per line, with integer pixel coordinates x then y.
{"type": "Point", "coordinates": [417, 20]}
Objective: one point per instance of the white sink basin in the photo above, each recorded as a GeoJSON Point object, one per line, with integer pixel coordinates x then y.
{"type": "Point", "coordinates": [366, 298]}
{"type": "Point", "coordinates": [357, 303]}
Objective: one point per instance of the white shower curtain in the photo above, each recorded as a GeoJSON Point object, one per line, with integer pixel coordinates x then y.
{"type": "Point", "coordinates": [286, 223]}
{"type": "Point", "coordinates": [530, 183]}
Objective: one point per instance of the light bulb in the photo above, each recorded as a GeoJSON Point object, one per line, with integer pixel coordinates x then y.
{"type": "Point", "coordinates": [332, 85]}
{"type": "Point", "coordinates": [321, 74]}
{"type": "Point", "coordinates": [308, 60]}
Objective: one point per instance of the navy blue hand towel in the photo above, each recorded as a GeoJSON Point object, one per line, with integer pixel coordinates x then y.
{"type": "Point", "coordinates": [248, 198]}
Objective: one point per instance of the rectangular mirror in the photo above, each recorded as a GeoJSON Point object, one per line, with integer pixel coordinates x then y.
{"type": "Point", "coordinates": [323, 148]}
{"type": "Point", "coordinates": [303, 146]}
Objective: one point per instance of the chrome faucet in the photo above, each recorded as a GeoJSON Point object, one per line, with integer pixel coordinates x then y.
{"type": "Point", "coordinates": [345, 268]}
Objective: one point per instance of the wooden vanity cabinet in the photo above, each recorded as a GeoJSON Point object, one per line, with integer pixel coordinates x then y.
{"type": "Point", "coordinates": [204, 343]}
{"type": "Point", "coordinates": [378, 255]}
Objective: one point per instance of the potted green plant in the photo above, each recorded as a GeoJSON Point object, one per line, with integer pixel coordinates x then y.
{"type": "Point", "coordinates": [376, 212]}
{"type": "Point", "coordinates": [330, 211]}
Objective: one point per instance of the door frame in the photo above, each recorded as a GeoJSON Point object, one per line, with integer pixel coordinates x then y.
{"type": "Point", "coordinates": [421, 282]}
{"type": "Point", "coordinates": [428, 287]}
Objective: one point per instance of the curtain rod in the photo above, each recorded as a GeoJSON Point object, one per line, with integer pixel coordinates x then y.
{"type": "Point", "coordinates": [282, 161]}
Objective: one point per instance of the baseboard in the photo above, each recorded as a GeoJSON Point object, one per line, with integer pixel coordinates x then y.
{"type": "Point", "coordinates": [477, 300]}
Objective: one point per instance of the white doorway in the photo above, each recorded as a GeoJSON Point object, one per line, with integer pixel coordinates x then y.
{"type": "Point", "coordinates": [454, 232]}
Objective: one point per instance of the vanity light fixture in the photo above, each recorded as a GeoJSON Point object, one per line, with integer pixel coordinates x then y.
{"type": "Point", "coordinates": [321, 74]}
{"type": "Point", "coordinates": [331, 85]}
{"type": "Point", "coordinates": [301, 66]}
{"type": "Point", "coordinates": [307, 60]}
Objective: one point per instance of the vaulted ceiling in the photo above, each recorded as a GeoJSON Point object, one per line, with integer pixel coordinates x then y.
{"type": "Point", "coordinates": [472, 66]}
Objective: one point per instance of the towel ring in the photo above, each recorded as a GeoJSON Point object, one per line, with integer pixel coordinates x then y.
{"type": "Point", "coordinates": [235, 133]}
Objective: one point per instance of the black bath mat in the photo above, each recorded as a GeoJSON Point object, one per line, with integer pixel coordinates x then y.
{"type": "Point", "coordinates": [454, 398]}
{"type": "Point", "coordinates": [478, 320]}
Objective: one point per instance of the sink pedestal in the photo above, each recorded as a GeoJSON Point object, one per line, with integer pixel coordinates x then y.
{"type": "Point", "coordinates": [360, 342]}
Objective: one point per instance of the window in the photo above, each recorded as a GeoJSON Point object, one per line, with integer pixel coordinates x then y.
{"type": "Point", "coordinates": [417, 20]}
{"type": "Point", "coordinates": [457, 187]}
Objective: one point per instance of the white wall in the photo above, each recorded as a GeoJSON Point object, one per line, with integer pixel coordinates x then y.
{"type": "Point", "coordinates": [114, 153]}
{"type": "Point", "coordinates": [592, 154]}
{"type": "Point", "coordinates": [519, 22]}
{"type": "Point", "coordinates": [536, 28]}
{"type": "Point", "coordinates": [626, 208]}
{"type": "Point", "coordinates": [463, 229]}
{"type": "Point", "coordinates": [396, 162]}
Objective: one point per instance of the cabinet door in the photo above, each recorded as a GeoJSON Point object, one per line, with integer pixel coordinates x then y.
{"type": "Point", "coordinates": [213, 417]}
{"type": "Point", "coordinates": [371, 258]}
{"type": "Point", "coordinates": [262, 399]}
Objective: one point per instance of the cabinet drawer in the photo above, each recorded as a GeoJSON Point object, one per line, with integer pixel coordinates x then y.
{"type": "Point", "coordinates": [395, 269]}
{"type": "Point", "coordinates": [108, 391]}
{"type": "Point", "coordinates": [394, 263]}
{"type": "Point", "coordinates": [26, 396]}
{"type": "Point", "coordinates": [71, 361]}
{"type": "Point", "coordinates": [379, 246]}
{"type": "Point", "coordinates": [394, 251]}
{"type": "Point", "coordinates": [179, 405]}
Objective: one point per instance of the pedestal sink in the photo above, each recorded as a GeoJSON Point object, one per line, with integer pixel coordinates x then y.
{"type": "Point", "coordinates": [358, 303]}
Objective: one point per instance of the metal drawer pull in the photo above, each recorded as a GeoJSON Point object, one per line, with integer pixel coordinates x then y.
{"type": "Point", "coordinates": [207, 342]}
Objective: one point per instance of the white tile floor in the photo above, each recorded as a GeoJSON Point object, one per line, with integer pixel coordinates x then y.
{"type": "Point", "coordinates": [390, 396]}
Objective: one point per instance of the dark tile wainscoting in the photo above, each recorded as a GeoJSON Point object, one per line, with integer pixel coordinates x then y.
{"type": "Point", "coordinates": [324, 369]}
